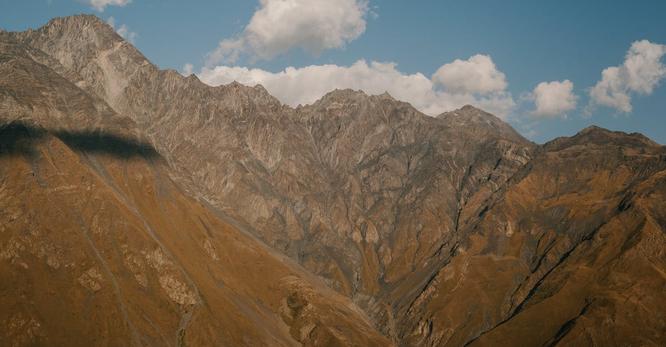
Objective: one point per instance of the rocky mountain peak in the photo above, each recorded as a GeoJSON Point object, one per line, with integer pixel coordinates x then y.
{"type": "Point", "coordinates": [351, 96]}
{"type": "Point", "coordinates": [76, 41]}
{"type": "Point", "coordinates": [341, 96]}
{"type": "Point", "coordinates": [89, 48]}
{"type": "Point", "coordinates": [597, 131]}
{"type": "Point", "coordinates": [598, 136]}
{"type": "Point", "coordinates": [257, 91]}
{"type": "Point", "coordinates": [481, 122]}
{"type": "Point", "coordinates": [84, 27]}
{"type": "Point", "coordinates": [81, 20]}
{"type": "Point", "coordinates": [471, 113]}
{"type": "Point", "coordinates": [369, 110]}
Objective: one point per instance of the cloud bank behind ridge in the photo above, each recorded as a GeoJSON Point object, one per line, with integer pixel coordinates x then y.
{"type": "Point", "coordinates": [444, 91]}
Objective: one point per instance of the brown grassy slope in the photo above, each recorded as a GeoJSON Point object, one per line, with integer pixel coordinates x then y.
{"type": "Point", "coordinates": [571, 252]}
{"type": "Point", "coordinates": [98, 246]}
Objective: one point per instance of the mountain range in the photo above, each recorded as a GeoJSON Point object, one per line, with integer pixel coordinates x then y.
{"type": "Point", "coordinates": [143, 207]}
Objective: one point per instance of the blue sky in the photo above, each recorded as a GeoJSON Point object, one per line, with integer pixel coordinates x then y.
{"type": "Point", "coordinates": [524, 43]}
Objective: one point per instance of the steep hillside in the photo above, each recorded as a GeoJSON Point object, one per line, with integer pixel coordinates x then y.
{"type": "Point", "coordinates": [202, 214]}
{"type": "Point", "coordinates": [98, 246]}
{"type": "Point", "coordinates": [570, 252]}
{"type": "Point", "coordinates": [362, 211]}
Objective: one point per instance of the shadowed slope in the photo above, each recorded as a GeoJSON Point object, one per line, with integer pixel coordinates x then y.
{"type": "Point", "coordinates": [20, 138]}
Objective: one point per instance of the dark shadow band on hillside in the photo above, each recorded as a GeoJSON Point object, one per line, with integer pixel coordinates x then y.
{"type": "Point", "coordinates": [20, 139]}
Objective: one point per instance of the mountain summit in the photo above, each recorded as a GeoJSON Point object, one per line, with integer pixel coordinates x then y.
{"type": "Point", "coordinates": [356, 220]}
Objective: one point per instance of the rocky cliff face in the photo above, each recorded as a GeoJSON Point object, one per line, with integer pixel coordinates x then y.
{"type": "Point", "coordinates": [313, 182]}
{"type": "Point", "coordinates": [99, 246]}
{"type": "Point", "coordinates": [446, 230]}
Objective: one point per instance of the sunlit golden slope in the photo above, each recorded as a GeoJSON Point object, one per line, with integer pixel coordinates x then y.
{"type": "Point", "coordinates": [98, 246]}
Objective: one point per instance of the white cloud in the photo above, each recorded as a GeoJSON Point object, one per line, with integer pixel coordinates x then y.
{"type": "Point", "coordinates": [281, 25]}
{"type": "Point", "coordinates": [123, 30]}
{"type": "Point", "coordinates": [553, 99]}
{"type": "Point", "coordinates": [478, 74]}
{"type": "Point", "coordinates": [640, 73]}
{"type": "Point", "coordinates": [99, 5]}
{"type": "Point", "coordinates": [305, 85]}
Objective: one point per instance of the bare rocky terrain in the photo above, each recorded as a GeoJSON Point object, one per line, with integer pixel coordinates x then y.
{"type": "Point", "coordinates": [144, 207]}
{"type": "Point", "coordinates": [99, 245]}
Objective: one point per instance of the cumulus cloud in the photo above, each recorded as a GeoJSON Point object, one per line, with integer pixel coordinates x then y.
{"type": "Point", "coordinates": [123, 30]}
{"type": "Point", "coordinates": [432, 96]}
{"type": "Point", "coordinates": [640, 73]}
{"type": "Point", "coordinates": [478, 74]}
{"type": "Point", "coordinates": [553, 99]}
{"type": "Point", "coordinates": [281, 25]}
{"type": "Point", "coordinates": [99, 5]}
